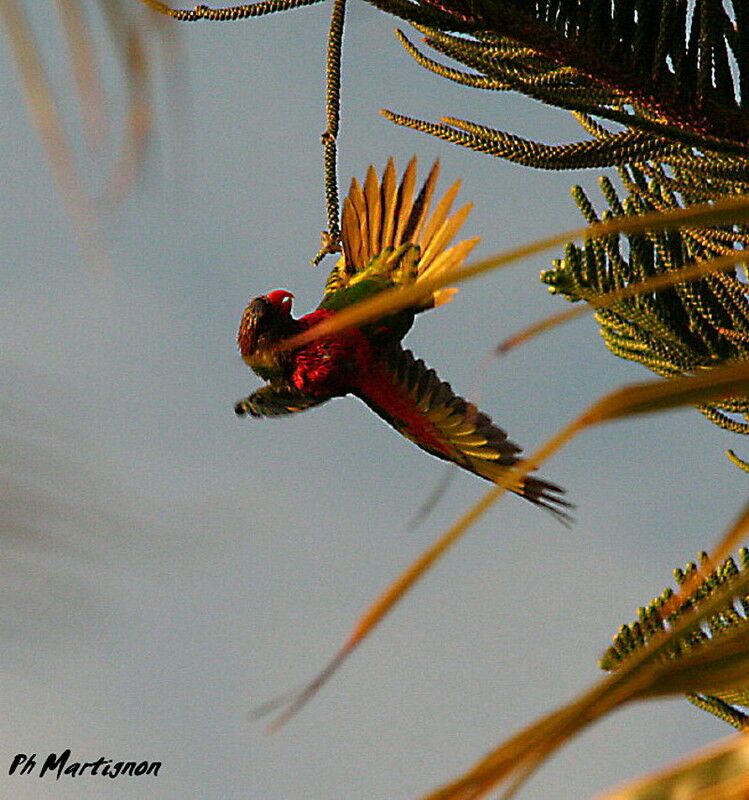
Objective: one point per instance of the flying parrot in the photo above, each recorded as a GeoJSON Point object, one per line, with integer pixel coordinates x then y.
{"type": "Point", "coordinates": [389, 239]}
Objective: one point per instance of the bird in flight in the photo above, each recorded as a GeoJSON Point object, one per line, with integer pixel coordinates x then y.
{"type": "Point", "coordinates": [389, 239]}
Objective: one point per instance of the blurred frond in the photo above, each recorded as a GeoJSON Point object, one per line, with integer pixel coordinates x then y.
{"type": "Point", "coordinates": [718, 772]}
{"type": "Point", "coordinates": [135, 36]}
{"type": "Point", "coordinates": [652, 620]}
{"type": "Point", "coordinates": [138, 39]}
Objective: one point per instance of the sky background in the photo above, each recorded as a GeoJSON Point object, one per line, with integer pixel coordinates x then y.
{"type": "Point", "coordinates": [166, 566]}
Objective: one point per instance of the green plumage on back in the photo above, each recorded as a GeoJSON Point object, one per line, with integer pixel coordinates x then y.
{"type": "Point", "coordinates": [347, 296]}
{"type": "Point", "coordinates": [392, 267]}
{"type": "Point", "coordinates": [387, 270]}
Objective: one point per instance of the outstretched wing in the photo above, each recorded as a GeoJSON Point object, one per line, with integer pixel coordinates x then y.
{"type": "Point", "coordinates": [389, 236]}
{"type": "Point", "coordinates": [274, 401]}
{"type": "Point", "coordinates": [408, 395]}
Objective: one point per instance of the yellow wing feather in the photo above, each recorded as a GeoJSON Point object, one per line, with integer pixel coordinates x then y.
{"type": "Point", "coordinates": [374, 211]}
{"type": "Point", "coordinates": [384, 216]}
{"type": "Point", "coordinates": [440, 213]}
{"type": "Point", "coordinates": [405, 201]}
{"type": "Point", "coordinates": [389, 201]}
{"type": "Point", "coordinates": [420, 209]}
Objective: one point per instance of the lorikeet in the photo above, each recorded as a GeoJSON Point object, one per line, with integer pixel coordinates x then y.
{"type": "Point", "coordinates": [388, 239]}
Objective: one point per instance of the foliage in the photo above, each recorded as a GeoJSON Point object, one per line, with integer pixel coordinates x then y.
{"type": "Point", "coordinates": [660, 614]}
{"type": "Point", "coordinates": [682, 329]}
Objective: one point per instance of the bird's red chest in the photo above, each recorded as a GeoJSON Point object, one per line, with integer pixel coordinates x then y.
{"type": "Point", "coordinates": [330, 366]}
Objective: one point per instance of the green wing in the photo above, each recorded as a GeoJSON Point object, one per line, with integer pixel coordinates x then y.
{"type": "Point", "coordinates": [275, 401]}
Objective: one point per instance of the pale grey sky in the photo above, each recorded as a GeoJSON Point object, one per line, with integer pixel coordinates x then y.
{"type": "Point", "coordinates": [168, 566]}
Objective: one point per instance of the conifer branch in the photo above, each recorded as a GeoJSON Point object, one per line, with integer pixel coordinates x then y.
{"type": "Point", "coordinates": [228, 14]}
{"type": "Point", "coordinates": [653, 618]}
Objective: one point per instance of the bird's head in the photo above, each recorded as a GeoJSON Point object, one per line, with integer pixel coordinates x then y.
{"type": "Point", "coordinates": [266, 321]}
